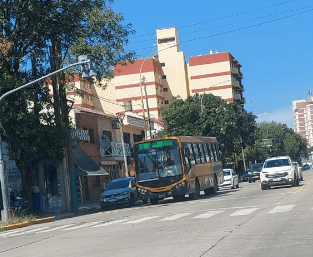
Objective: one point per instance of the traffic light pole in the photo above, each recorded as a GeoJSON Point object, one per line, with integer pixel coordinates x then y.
{"type": "Point", "coordinates": [4, 186]}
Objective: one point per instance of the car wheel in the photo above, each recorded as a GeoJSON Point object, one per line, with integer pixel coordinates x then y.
{"type": "Point", "coordinates": [249, 180]}
{"type": "Point", "coordinates": [295, 182]}
{"type": "Point", "coordinates": [233, 186]}
{"type": "Point", "coordinates": [144, 201]}
{"type": "Point", "coordinates": [263, 187]}
{"type": "Point", "coordinates": [131, 201]}
{"type": "Point", "coordinates": [237, 186]}
{"type": "Point", "coordinates": [301, 178]}
{"type": "Point", "coordinates": [212, 190]}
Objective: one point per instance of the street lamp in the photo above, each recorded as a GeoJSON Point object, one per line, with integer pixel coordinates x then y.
{"type": "Point", "coordinates": [87, 69]}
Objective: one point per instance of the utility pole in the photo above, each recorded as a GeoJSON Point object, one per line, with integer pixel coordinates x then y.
{"type": "Point", "coordinates": [120, 120]}
{"type": "Point", "coordinates": [4, 190]}
{"type": "Point", "coordinates": [147, 103]}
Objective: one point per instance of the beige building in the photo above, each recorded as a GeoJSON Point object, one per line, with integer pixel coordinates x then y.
{"type": "Point", "coordinates": [303, 118]}
{"type": "Point", "coordinates": [167, 75]}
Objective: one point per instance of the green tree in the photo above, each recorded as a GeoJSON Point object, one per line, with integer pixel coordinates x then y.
{"type": "Point", "coordinates": [209, 115]}
{"type": "Point", "coordinates": [284, 141]}
{"type": "Point", "coordinates": [39, 37]}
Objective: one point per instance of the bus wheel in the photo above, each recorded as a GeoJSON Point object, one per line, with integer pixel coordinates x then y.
{"type": "Point", "coordinates": [214, 189]}
{"type": "Point", "coordinates": [196, 194]}
{"type": "Point", "coordinates": [154, 201]}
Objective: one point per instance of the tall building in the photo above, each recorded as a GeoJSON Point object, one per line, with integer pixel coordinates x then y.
{"type": "Point", "coordinates": [303, 118]}
{"type": "Point", "coordinates": [168, 75]}
{"type": "Point", "coordinates": [218, 74]}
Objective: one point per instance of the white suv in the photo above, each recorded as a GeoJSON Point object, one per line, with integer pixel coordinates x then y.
{"type": "Point", "coordinates": [278, 171]}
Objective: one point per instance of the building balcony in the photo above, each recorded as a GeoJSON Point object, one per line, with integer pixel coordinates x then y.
{"type": "Point", "coordinates": [114, 151]}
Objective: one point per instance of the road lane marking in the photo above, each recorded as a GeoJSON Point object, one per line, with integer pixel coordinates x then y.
{"type": "Point", "coordinates": [82, 226]}
{"type": "Point", "coordinates": [207, 215]}
{"type": "Point", "coordinates": [244, 212]}
{"type": "Point", "coordinates": [141, 220]}
{"type": "Point", "coordinates": [109, 223]}
{"type": "Point", "coordinates": [284, 208]}
{"type": "Point", "coordinates": [28, 231]}
{"type": "Point", "coordinates": [56, 228]}
{"type": "Point", "coordinates": [177, 216]}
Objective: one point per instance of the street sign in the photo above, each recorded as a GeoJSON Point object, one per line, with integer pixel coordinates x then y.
{"type": "Point", "coordinates": [4, 151]}
{"type": "Point", "coordinates": [267, 142]}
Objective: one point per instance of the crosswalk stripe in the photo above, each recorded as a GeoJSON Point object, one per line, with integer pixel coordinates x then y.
{"type": "Point", "coordinates": [82, 226]}
{"type": "Point", "coordinates": [244, 212]}
{"type": "Point", "coordinates": [28, 231]}
{"type": "Point", "coordinates": [141, 220]}
{"type": "Point", "coordinates": [177, 216]}
{"type": "Point", "coordinates": [110, 223]}
{"type": "Point", "coordinates": [56, 228]}
{"type": "Point", "coordinates": [207, 214]}
{"type": "Point", "coordinates": [283, 208]}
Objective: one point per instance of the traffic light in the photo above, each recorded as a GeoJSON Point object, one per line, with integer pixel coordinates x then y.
{"type": "Point", "coordinates": [87, 69]}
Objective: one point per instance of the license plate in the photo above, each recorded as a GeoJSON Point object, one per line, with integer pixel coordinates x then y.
{"type": "Point", "coordinates": [276, 179]}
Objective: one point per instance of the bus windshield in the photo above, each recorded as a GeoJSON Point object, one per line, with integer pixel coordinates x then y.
{"type": "Point", "coordinates": [158, 159]}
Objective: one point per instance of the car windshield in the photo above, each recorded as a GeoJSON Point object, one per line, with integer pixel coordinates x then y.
{"type": "Point", "coordinates": [117, 184]}
{"type": "Point", "coordinates": [257, 167]}
{"type": "Point", "coordinates": [226, 172]}
{"type": "Point", "coordinates": [277, 163]}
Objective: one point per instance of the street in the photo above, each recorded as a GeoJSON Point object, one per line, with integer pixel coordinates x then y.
{"type": "Point", "coordinates": [236, 222]}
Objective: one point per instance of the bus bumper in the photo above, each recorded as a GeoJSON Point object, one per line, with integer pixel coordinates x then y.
{"type": "Point", "coordinates": [175, 191]}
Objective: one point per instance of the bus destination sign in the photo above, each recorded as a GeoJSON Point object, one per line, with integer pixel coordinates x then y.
{"type": "Point", "coordinates": [155, 144]}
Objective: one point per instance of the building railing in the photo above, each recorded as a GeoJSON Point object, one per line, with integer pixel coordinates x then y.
{"type": "Point", "coordinates": [114, 150]}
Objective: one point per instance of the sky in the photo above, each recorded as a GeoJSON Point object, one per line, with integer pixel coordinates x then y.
{"type": "Point", "coordinates": [272, 40]}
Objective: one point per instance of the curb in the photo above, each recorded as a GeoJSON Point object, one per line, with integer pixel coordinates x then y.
{"type": "Point", "coordinates": [27, 223]}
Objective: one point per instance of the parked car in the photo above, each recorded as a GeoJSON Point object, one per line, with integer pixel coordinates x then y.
{"type": "Point", "coordinates": [119, 191]}
{"type": "Point", "coordinates": [299, 169]}
{"type": "Point", "coordinates": [245, 176]}
{"type": "Point", "coordinates": [279, 171]}
{"type": "Point", "coordinates": [306, 166]}
{"type": "Point", "coordinates": [230, 178]}
{"type": "Point", "coordinates": [254, 172]}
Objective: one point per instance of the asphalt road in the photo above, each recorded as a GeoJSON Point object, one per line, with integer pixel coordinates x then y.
{"type": "Point", "coordinates": [236, 222]}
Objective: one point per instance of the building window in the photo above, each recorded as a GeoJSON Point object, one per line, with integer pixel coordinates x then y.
{"type": "Point", "coordinates": [128, 106]}
{"type": "Point", "coordinates": [165, 89]}
{"type": "Point", "coordinates": [126, 137]}
{"type": "Point", "coordinates": [166, 101]}
{"type": "Point", "coordinates": [92, 136]}
{"type": "Point", "coordinates": [137, 138]}
{"type": "Point", "coordinates": [163, 76]}
{"type": "Point", "coordinates": [162, 64]}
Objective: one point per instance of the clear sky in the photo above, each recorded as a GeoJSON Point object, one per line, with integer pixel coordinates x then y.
{"type": "Point", "coordinates": [272, 39]}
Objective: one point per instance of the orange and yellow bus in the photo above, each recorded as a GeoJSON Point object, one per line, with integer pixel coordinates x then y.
{"type": "Point", "coordinates": [176, 166]}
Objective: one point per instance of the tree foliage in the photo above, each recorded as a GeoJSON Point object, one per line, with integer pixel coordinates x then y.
{"type": "Point", "coordinates": [284, 141]}
{"type": "Point", "coordinates": [209, 115]}
{"type": "Point", "coordinates": [38, 37]}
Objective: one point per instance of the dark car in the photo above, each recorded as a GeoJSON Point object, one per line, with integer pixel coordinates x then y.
{"type": "Point", "coordinates": [254, 172]}
{"type": "Point", "coordinates": [306, 167]}
{"type": "Point", "coordinates": [245, 176]}
{"type": "Point", "coordinates": [119, 192]}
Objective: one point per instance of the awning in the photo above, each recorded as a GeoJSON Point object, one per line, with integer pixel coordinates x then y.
{"type": "Point", "coordinates": [85, 164]}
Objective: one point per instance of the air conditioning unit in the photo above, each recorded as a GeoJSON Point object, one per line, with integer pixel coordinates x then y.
{"type": "Point", "coordinates": [115, 125]}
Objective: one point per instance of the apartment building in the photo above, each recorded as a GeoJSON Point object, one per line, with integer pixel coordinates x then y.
{"type": "Point", "coordinates": [303, 118]}
{"type": "Point", "coordinates": [218, 74]}
{"type": "Point", "coordinates": [168, 75]}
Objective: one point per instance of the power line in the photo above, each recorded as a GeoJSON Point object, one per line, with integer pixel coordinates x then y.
{"type": "Point", "coordinates": [224, 17]}
{"type": "Point", "coordinates": [239, 29]}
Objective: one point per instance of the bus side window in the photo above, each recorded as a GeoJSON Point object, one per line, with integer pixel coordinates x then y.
{"type": "Point", "coordinates": [218, 151]}
{"type": "Point", "coordinates": [202, 152]}
{"type": "Point", "coordinates": [214, 152]}
{"type": "Point", "coordinates": [192, 156]}
{"type": "Point", "coordinates": [211, 152]}
{"type": "Point", "coordinates": [186, 158]}
{"type": "Point", "coordinates": [207, 156]}
{"type": "Point", "coordinates": [196, 152]}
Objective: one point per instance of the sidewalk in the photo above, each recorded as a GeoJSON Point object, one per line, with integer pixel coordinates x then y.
{"type": "Point", "coordinates": [44, 217]}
